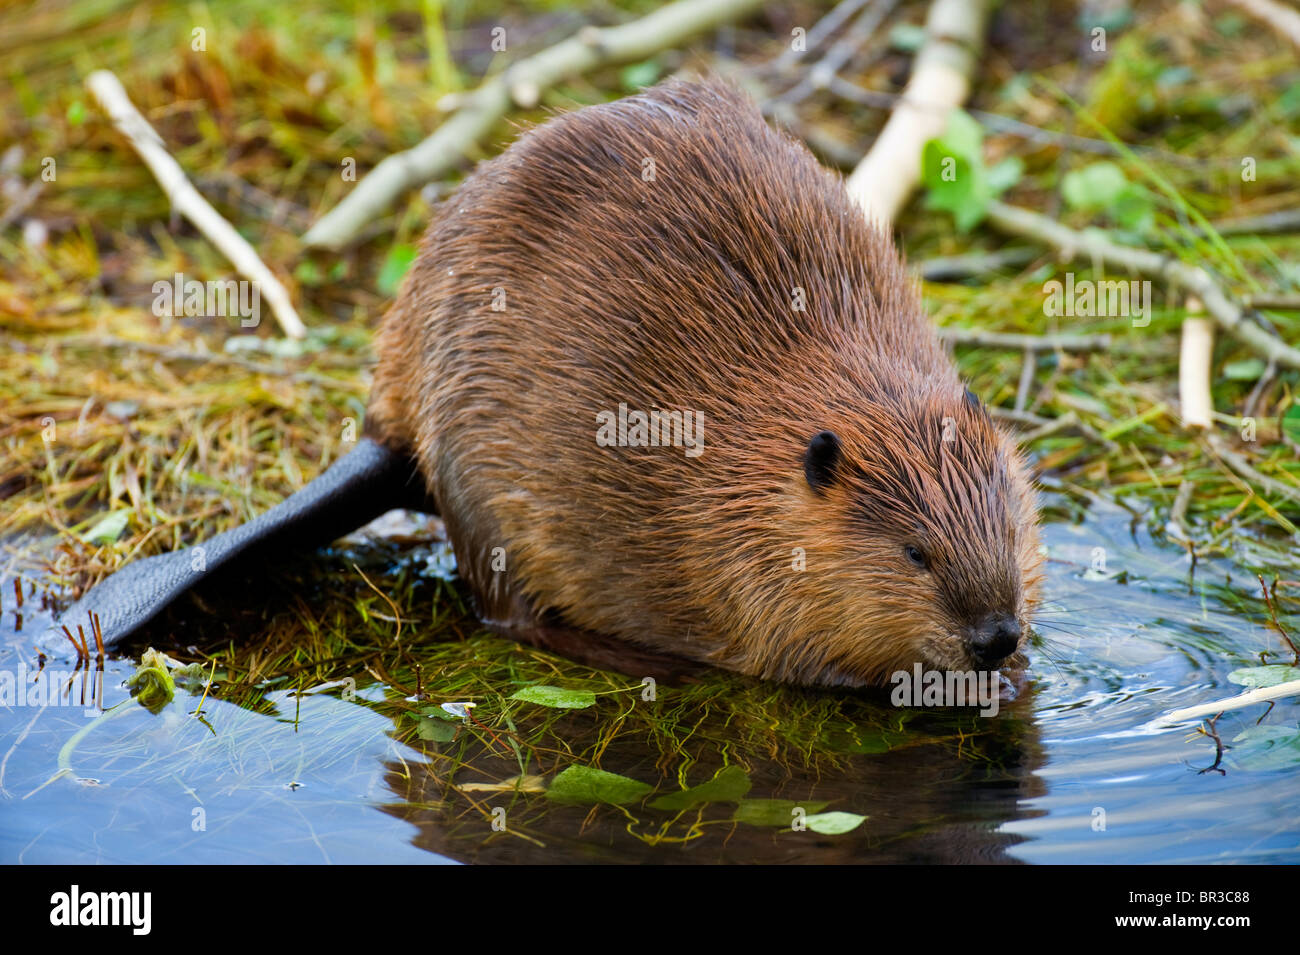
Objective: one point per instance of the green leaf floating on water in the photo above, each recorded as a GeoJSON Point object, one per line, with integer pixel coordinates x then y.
{"type": "Point", "coordinates": [772, 812]}
{"type": "Point", "coordinates": [555, 697]}
{"type": "Point", "coordinates": [1267, 747]}
{"type": "Point", "coordinates": [152, 684]}
{"type": "Point", "coordinates": [585, 785]}
{"type": "Point", "coordinates": [834, 823]}
{"type": "Point", "coordinates": [730, 784]}
{"type": "Point", "coordinates": [1272, 675]}
{"type": "Point", "coordinates": [435, 729]}
{"type": "Point", "coordinates": [108, 528]}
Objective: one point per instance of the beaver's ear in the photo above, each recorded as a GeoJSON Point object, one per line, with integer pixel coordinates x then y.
{"type": "Point", "coordinates": [821, 459]}
{"type": "Point", "coordinates": [973, 400]}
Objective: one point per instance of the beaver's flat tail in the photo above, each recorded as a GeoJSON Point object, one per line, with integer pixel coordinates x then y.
{"type": "Point", "coordinates": [359, 487]}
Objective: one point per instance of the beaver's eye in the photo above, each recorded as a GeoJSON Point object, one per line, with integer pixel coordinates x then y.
{"type": "Point", "coordinates": [915, 555]}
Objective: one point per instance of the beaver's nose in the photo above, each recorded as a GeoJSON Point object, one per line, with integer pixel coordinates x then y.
{"type": "Point", "coordinates": [994, 639]}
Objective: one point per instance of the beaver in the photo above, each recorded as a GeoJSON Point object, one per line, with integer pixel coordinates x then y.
{"type": "Point", "coordinates": [664, 382]}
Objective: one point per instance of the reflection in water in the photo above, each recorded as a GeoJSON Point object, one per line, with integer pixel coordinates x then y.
{"type": "Point", "coordinates": [1076, 769]}
{"type": "Point", "coordinates": [938, 795]}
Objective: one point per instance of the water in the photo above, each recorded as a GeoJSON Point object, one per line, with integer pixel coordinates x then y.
{"type": "Point", "coordinates": [1077, 769]}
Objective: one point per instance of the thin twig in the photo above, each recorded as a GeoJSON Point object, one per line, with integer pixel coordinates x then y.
{"type": "Point", "coordinates": [186, 200]}
{"type": "Point", "coordinates": [957, 267]}
{"type": "Point", "coordinates": [818, 34]}
{"type": "Point", "coordinates": [840, 53]}
{"type": "Point", "coordinates": [1277, 624]}
{"type": "Point", "coordinates": [1256, 393]}
{"type": "Point", "coordinates": [1213, 732]}
{"type": "Point", "coordinates": [1274, 300]}
{"type": "Point", "coordinates": [1028, 365]}
{"type": "Point", "coordinates": [997, 123]}
{"type": "Point", "coordinates": [522, 84]}
{"type": "Point", "coordinates": [1176, 526]}
{"type": "Point", "coordinates": [170, 353]}
{"type": "Point", "coordinates": [1017, 342]}
{"type": "Point", "coordinates": [1096, 248]}
{"type": "Point", "coordinates": [1243, 467]}
{"type": "Point", "coordinates": [21, 204]}
{"type": "Point", "coordinates": [1042, 427]}
{"type": "Point", "coordinates": [1284, 220]}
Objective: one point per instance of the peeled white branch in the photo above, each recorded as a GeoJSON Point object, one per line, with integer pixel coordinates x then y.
{"type": "Point", "coordinates": [1194, 361]}
{"type": "Point", "coordinates": [186, 200]}
{"type": "Point", "coordinates": [1282, 18]}
{"type": "Point", "coordinates": [1262, 695]}
{"type": "Point", "coordinates": [1095, 248]}
{"type": "Point", "coordinates": [522, 84]}
{"type": "Point", "coordinates": [941, 80]}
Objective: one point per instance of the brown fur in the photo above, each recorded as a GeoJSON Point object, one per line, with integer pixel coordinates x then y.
{"type": "Point", "coordinates": [677, 294]}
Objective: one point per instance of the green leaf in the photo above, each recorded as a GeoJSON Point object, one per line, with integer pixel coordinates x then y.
{"type": "Point", "coordinates": [634, 76]}
{"type": "Point", "coordinates": [308, 273]}
{"type": "Point", "coordinates": [440, 731]}
{"type": "Point", "coordinates": [76, 112]}
{"type": "Point", "coordinates": [1096, 186]}
{"type": "Point", "coordinates": [1134, 209]}
{"type": "Point", "coordinates": [1291, 422]}
{"type": "Point", "coordinates": [437, 712]}
{"type": "Point", "coordinates": [151, 683]}
{"type": "Point", "coordinates": [1267, 747]}
{"type": "Point", "coordinates": [1248, 369]}
{"type": "Point", "coordinates": [585, 785]}
{"type": "Point", "coordinates": [729, 785]}
{"type": "Point", "coordinates": [396, 263]}
{"type": "Point", "coordinates": [1005, 174]}
{"type": "Point", "coordinates": [1102, 186]}
{"type": "Point", "coordinates": [1256, 677]}
{"type": "Point", "coordinates": [108, 528]}
{"type": "Point", "coordinates": [963, 138]}
{"type": "Point", "coordinates": [556, 697]}
{"type": "Point", "coordinates": [952, 168]}
{"type": "Point", "coordinates": [834, 823]}
{"type": "Point", "coordinates": [772, 812]}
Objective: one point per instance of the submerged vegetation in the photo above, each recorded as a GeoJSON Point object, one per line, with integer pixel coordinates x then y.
{"type": "Point", "coordinates": [125, 432]}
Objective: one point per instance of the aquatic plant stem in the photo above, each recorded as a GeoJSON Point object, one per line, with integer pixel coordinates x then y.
{"type": "Point", "coordinates": [68, 748]}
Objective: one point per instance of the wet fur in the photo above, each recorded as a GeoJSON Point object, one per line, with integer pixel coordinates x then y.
{"type": "Point", "coordinates": [677, 294]}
